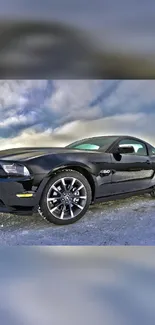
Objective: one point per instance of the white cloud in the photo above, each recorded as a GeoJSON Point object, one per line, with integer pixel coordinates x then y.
{"type": "Point", "coordinates": [72, 97]}
{"type": "Point", "coordinates": [130, 96]}
{"type": "Point", "coordinates": [13, 121]}
{"type": "Point", "coordinates": [12, 92]}
{"type": "Point", "coordinates": [71, 93]}
{"type": "Point", "coordinates": [32, 138]}
{"type": "Point", "coordinates": [69, 104]}
{"type": "Point", "coordinates": [139, 124]}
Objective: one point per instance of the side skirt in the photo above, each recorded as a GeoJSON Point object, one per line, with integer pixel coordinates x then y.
{"type": "Point", "coordinates": [120, 196]}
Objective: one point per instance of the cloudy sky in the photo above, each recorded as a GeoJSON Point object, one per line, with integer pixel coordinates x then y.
{"type": "Point", "coordinates": [56, 112]}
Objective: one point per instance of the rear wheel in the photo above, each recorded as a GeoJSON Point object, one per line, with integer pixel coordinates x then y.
{"type": "Point", "coordinates": [66, 198]}
{"type": "Point", "coordinates": [152, 193]}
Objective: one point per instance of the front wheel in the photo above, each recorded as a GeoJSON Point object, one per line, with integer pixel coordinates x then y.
{"type": "Point", "coordinates": [66, 198]}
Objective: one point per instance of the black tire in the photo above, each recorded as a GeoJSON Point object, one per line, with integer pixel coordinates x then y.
{"type": "Point", "coordinates": [66, 174]}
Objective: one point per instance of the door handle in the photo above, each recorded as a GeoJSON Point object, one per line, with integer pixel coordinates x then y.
{"type": "Point", "coordinates": [148, 162]}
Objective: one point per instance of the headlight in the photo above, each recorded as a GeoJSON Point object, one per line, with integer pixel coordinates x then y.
{"type": "Point", "coordinates": [15, 169]}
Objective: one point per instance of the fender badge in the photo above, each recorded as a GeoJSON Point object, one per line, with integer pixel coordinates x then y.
{"type": "Point", "coordinates": [105, 172]}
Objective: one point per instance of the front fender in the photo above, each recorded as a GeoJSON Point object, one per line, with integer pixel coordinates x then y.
{"type": "Point", "coordinates": [89, 167]}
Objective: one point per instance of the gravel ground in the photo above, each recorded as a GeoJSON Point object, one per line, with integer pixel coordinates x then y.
{"type": "Point", "coordinates": [123, 222]}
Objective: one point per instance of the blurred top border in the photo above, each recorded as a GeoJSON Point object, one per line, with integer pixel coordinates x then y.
{"type": "Point", "coordinates": [33, 49]}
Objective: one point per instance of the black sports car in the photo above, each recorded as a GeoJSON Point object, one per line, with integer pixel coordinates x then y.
{"type": "Point", "coordinates": [61, 183]}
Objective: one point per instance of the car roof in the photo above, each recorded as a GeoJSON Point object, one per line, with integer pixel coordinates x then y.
{"type": "Point", "coordinates": [113, 136]}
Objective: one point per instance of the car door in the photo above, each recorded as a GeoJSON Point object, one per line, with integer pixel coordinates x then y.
{"type": "Point", "coordinates": [131, 172]}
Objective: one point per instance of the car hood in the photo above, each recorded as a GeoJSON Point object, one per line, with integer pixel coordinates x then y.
{"type": "Point", "coordinates": [19, 154]}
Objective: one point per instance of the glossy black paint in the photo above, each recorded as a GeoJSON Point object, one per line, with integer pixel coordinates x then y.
{"type": "Point", "coordinates": [111, 176]}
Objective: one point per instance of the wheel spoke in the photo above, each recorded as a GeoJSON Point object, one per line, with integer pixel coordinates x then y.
{"type": "Point", "coordinates": [62, 212]}
{"type": "Point", "coordinates": [55, 208]}
{"type": "Point", "coordinates": [79, 197]}
{"type": "Point", "coordinates": [64, 184]}
{"type": "Point", "coordinates": [53, 198]}
{"type": "Point", "coordinates": [80, 187]}
{"type": "Point", "coordinates": [72, 184]}
{"type": "Point", "coordinates": [56, 189]}
{"type": "Point", "coordinates": [71, 211]}
{"type": "Point", "coordinates": [78, 205]}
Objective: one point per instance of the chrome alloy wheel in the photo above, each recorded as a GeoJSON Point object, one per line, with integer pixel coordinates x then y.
{"type": "Point", "coordinates": [66, 198]}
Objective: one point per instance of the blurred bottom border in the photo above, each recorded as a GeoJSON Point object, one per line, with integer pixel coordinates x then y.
{"type": "Point", "coordinates": [72, 285]}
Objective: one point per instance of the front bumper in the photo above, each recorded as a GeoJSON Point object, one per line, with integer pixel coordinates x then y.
{"type": "Point", "coordinates": [11, 203]}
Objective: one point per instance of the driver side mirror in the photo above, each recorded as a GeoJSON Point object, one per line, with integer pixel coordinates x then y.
{"type": "Point", "coordinates": [124, 150]}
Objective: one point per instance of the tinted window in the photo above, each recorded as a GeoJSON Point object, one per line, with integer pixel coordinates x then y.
{"type": "Point", "coordinates": [151, 151]}
{"type": "Point", "coordinates": [139, 147]}
{"type": "Point", "coordinates": [93, 143]}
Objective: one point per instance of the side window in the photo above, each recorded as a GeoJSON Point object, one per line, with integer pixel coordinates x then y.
{"type": "Point", "coordinates": [151, 151]}
{"type": "Point", "coordinates": [139, 147]}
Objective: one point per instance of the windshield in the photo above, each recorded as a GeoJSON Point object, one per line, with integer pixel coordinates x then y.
{"type": "Point", "coordinates": [93, 143]}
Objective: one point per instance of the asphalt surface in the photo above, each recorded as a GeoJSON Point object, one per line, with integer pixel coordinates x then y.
{"type": "Point", "coordinates": [124, 222]}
